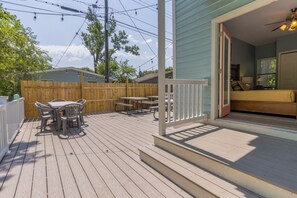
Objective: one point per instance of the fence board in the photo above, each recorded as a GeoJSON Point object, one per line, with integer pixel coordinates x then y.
{"type": "Point", "coordinates": [100, 96]}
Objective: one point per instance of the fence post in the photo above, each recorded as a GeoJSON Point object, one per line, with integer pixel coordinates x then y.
{"type": "Point", "coordinates": [81, 85]}
{"type": "Point", "coordinates": [126, 86]}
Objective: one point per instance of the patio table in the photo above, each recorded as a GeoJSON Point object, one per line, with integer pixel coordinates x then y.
{"type": "Point", "coordinates": [56, 106]}
{"type": "Point", "coordinates": [137, 99]}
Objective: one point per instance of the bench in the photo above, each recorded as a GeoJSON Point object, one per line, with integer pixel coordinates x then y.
{"type": "Point", "coordinates": [150, 102]}
{"type": "Point", "coordinates": [122, 104]}
{"type": "Point", "coordinates": [155, 109]}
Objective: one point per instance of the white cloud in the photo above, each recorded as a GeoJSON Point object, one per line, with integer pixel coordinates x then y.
{"type": "Point", "coordinates": [76, 55]}
{"type": "Point", "coordinates": [132, 39]}
{"type": "Point", "coordinates": [147, 41]}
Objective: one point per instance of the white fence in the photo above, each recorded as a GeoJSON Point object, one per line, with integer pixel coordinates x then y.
{"type": "Point", "coordinates": [185, 103]}
{"type": "Point", "coordinates": [11, 119]}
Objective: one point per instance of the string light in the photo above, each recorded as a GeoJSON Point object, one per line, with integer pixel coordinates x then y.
{"type": "Point", "coordinates": [62, 18]}
{"type": "Point", "coordinates": [35, 17]}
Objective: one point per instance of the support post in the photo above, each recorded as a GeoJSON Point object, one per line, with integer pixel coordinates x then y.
{"type": "Point", "coordinates": [106, 27]}
{"type": "Point", "coordinates": [161, 66]}
{"type": "Point", "coordinates": [81, 76]}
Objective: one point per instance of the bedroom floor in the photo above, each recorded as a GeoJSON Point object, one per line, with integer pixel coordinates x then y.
{"type": "Point", "coordinates": [264, 119]}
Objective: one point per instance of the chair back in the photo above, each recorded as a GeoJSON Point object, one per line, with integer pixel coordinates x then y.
{"type": "Point", "coordinates": [72, 111]}
{"type": "Point", "coordinates": [58, 100]}
{"type": "Point", "coordinates": [82, 103]}
{"type": "Point", "coordinates": [43, 109]}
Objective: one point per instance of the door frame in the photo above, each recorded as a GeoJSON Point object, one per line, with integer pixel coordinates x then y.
{"type": "Point", "coordinates": [215, 43]}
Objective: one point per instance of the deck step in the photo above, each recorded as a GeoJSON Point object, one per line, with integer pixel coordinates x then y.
{"type": "Point", "coordinates": [193, 179]}
{"type": "Point", "coordinates": [213, 165]}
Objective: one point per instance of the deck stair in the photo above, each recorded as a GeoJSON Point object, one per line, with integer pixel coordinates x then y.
{"type": "Point", "coordinates": [204, 176]}
{"type": "Point", "coordinates": [193, 179]}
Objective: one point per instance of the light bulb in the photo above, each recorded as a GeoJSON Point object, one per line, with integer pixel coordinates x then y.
{"type": "Point", "coordinates": [283, 27]}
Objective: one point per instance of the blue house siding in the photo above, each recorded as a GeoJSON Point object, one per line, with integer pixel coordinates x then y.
{"type": "Point", "coordinates": [69, 76]}
{"type": "Point", "coordinates": [193, 37]}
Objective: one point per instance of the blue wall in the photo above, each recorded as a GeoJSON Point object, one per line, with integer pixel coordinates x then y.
{"type": "Point", "coordinates": [193, 37]}
{"type": "Point", "coordinates": [243, 54]}
{"type": "Point", "coordinates": [287, 43]}
{"type": "Point", "coordinates": [69, 76]}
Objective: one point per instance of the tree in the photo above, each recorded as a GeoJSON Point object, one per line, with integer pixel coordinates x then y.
{"type": "Point", "coordinates": [20, 56]}
{"type": "Point", "coordinates": [87, 69]}
{"type": "Point", "coordinates": [94, 40]}
{"type": "Point", "coordinates": [125, 72]}
{"type": "Point", "coordinates": [146, 72]}
{"type": "Point", "coordinates": [118, 71]}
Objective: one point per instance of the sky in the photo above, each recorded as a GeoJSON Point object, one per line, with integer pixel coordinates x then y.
{"type": "Point", "coordinates": [55, 35]}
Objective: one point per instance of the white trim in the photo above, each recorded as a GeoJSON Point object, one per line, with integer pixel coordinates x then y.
{"type": "Point", "coordinates": [161, 65]}
{"type": "Point", "coordinates": [256, 128]}
{"type": "Point", "coordinates": [215, 45]}
{"type": "Point", "coordinates": [174, 39]}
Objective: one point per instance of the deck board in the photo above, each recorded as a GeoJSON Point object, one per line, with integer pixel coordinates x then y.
{"type": "Point", "coordinates": [270, 158]}
{"type": "Point", "coordinates": [102, 163]}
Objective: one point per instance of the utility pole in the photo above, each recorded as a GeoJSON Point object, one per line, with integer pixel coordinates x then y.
{"type": "Point", "coordinates": [106, 27]}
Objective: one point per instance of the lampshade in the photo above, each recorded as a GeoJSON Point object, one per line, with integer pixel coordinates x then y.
{"type": "Point", "coordinates": [283, 27]}
{"type": "Point", "coordinates": [247, 79]}
{"type": "Point", "coordinates": [259, 79]}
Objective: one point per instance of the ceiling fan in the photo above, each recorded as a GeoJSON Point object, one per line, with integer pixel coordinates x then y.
{"type": "Point", "coordinates": [290, 23]}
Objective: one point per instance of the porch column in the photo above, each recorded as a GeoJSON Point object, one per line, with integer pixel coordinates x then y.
{"type": "Point", "coordinates": [161, 66]}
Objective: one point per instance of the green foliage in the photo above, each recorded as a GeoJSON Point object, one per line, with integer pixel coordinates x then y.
{"type": "Point", "coordinates": [119, 71]}
{"type": "Point", "coordinates": [20, 56]}
{"type": "Point", "coordinates": [87, 69]}
{"type": "Point", "coordinates": [94, 42]}
{"type": "Point", "coordinates": [154, 71]}
{"type": "Point", "coordinates": [147, 72]}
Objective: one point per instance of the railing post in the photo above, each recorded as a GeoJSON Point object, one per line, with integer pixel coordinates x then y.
{"type": "Point", "coordinates": [161, 64]}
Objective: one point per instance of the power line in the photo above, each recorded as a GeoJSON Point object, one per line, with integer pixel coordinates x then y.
{"type": "Point", "coordinates": [44, 13]}
{"type": "Point", "coordinates": [135, 9]}
{"type": "Point", "coordinates": [136, 27]}
{"type": "Point", "coordinates": [138, 20]}
{"type": "Point", "coordinates": [60, 6]}
{"type": "Point", "coordinates": [71, 42]}
{"type": "Point", "coordinates": [154, 10]}
{"type": "Point", "coordinates": [32, 7]}
{"type": "Point", "coordinates": [151, 58]}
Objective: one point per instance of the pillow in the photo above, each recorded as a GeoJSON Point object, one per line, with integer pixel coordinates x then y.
{"type": "Point", "coordinates": [242, 85]}
{"type": "Point", "coordinates": [236, 86]}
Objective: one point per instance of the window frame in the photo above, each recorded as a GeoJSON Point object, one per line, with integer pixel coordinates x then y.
{"type": "Point", "coordinates": [268, 73]}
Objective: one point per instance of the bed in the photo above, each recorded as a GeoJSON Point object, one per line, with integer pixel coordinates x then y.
{"type": "Point", "coordinates": [281, 102]}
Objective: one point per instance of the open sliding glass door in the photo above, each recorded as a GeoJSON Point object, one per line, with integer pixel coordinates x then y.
{"type": "Point", "coordinates": [224, 71]}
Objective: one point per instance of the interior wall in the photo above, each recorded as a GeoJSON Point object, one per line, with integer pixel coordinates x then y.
{"type": "Point", "coordinates": [244, 54]}
{"type": "Point", "coordinates": [265, 51]}
{"type": "Point", "coordinates": [286, 43]}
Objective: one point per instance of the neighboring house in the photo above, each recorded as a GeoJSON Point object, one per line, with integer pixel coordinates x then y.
{"type": "Point", "coordinates": [152, 78]}
{"type": "Point", "coordinates": [212, 40]}
{"type": "Point", "coordinates": [69, 74]}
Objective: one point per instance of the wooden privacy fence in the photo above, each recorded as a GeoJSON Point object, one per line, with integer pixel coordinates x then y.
{"type": "Point", "coordinates": [100, 96]}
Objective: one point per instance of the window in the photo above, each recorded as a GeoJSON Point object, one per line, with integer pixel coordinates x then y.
{"type": "Point", "coordinates": [266, 72]}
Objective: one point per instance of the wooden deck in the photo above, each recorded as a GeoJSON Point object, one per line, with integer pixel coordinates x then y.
{"type": "Point", "coordinates": [283, 122]}
{"type": "Point", "coordinates": [269, 158]}
{"type": "Point", "coordinates": [103, 162]}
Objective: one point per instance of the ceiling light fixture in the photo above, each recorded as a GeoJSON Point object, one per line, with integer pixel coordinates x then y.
{"type": "Point", "coordinates": [283, 27]}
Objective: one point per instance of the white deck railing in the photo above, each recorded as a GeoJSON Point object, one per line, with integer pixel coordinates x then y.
{"type": "Point", "coordinates": [11, 119]}
{"type": "Point", "coordinates": [185, 101]}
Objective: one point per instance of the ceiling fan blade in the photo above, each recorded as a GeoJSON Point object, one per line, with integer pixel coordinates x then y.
{"type": "Point", "coordinates": [277, 22]}
{"type": "Point", "coordinates": [276, 28]}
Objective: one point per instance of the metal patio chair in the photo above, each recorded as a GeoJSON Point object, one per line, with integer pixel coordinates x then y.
{"type": "Point", "coordinates": [82, 102]}
{"type": "Point", "coordinates": [71, 116]}
{"type": "Point", "coordinates": [57, 100]}
{"type": "Point", "coordinates": [45, 113]}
